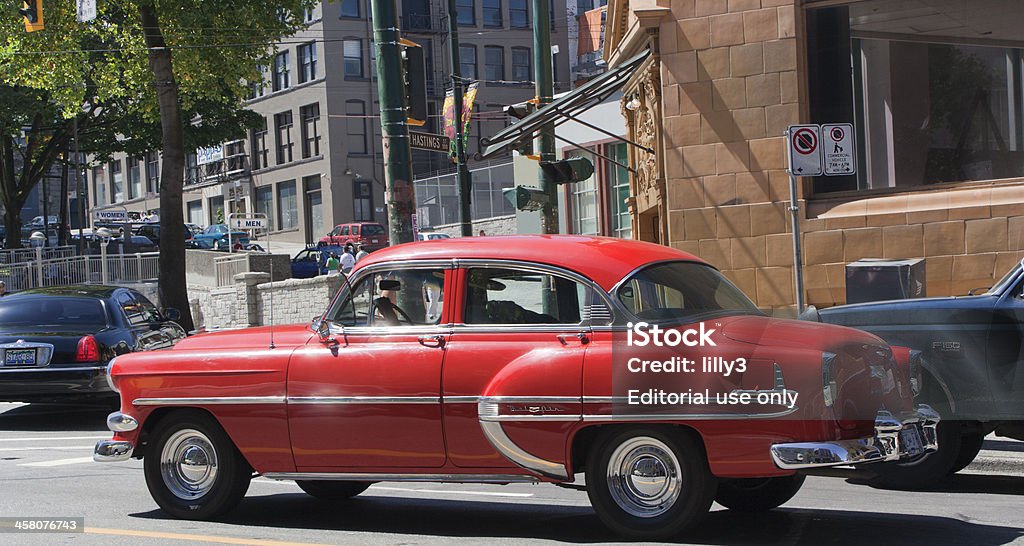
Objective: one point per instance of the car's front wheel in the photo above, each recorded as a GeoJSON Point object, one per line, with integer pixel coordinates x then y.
{"type": "Point", "coordinates": [758, 494]}
{"type": "Point", "coordinates": [649, 483]}
{"type": "Point", "coordinates": [193, 469]}
{"type": "Point", "coordinates": [332, 490]}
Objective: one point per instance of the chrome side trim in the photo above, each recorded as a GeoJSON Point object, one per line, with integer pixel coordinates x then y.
{"type": "Point", "coordinates": [211, 401]}
{"type": "Point", "coordinates": [51, 369]}
{"type": "Point", "coordinates": [364, 400]}
{"type": "Point", "coordinates": [460, 399]}
{"type": "Point", "coordinates": [531, 399]}
{"type": "Point", "coordinates": [495, 434]}
{"type": "Point", "coordinates": [658, 417]}
{"type": "Point", "coordinates": [112, 451]}
{"type": "Point", "coordinates": [119, 422]}
{"type": "Point", "coordinates": [374, 477]}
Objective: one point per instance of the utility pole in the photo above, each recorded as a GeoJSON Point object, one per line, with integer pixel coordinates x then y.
{"type": "Point", "coordinates": [393, 126]}
{"type": "Point", "coordinates": [543, 79]}
{"type": "Point", "coordinates": [465, 177]}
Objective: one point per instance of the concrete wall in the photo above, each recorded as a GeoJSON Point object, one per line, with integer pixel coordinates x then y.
{"type": "Point", "coordinates": [248, 301]}
{"type": "Point", "coordinates": [201, 271]}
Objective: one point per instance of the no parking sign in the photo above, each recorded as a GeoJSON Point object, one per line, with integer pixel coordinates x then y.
{"type": "Point", "coordinates": [804, 143]}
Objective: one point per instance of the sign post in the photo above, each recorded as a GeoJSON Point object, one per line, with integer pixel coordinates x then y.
{"type": "Point", "coordinates": [249, 223]}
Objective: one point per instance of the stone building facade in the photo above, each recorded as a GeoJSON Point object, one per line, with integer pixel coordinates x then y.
{"type": "Point", "coordinates": [940, 166]}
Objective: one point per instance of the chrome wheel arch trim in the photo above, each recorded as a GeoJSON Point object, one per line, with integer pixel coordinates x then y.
{"type": "Point", "coordinates": [495, 434]}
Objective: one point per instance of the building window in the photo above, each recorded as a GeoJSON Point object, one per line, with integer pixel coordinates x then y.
{"type": "Point", "coordinates": [494, 63]}
{"type": "Point", "coordinates": [362, 201]}
{"type": "Point", "coordinates": [492, 14]}
{"type": "Point", "coordinates": [310, 132]}
{"type": "Point", "coordinates": [287, 205]}
{"type": "Point", "coordinates": [99, 185]}
{"type": "Point", "coordinates": [257, 87]}
{"type": "Point", "coordinates": [350, 8]}
{"type": "Point", "coordinates": [283, 130]}
{"type": "Point", "coordinates": [467, 61]}
{"type": "Point", "coordinates": [585, 201]}
{"type": "Point", "coordinates": [518, 14]}
{"type": "Point", "coordinates": [307, 62]}
{"type": "Point", "coordinates": [153, 172]}
{"type": "Point", "coordinates": [466, 12]}
{"type": "Point", "coordinates": [355, 112]}
{"type": "Point", "coordinates": [216, 207]}
{"type": "Point", "coordinates": [258, 144]}
{"type": "Point", "coordinates": [314, 207]}
{"type": "Point", "coordinates": [117, 181]}
{"type": "Point", "coordinates": [281, 80]}
{"type": "Point", "coordinates": [308, 15]}
{"type": "Point", "coordinates": [195, 212]}
{"type": "Point", "coordinates": [353, 52]}
{"type": "Point", "coordinates": [134, 178]}
{"type": "Point", "coordinates": [191, 169]}
{"type": "Point", "coordinates": [521, 64]}
{"type": "Point", "coordinates": [618, 191]}
{"type": "Point", "coordinates": [264, 204]}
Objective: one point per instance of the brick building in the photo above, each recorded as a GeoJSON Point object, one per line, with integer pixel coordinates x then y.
{"type": "Point", "coordinates": [933, 88]}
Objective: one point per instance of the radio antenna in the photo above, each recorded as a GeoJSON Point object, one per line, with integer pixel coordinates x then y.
{"type": "Point", "coordinates": [271, 289]}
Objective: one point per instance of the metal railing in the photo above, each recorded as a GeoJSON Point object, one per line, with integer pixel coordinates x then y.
{"type": "Point", "coordinates": [228, 266]}
{"type": "Point", "coordinates": [20, 255]}
{"type": "Point", "coordinates": [94, 269]}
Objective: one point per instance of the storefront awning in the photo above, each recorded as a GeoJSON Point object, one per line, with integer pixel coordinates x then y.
{"type": "Point", "coordinates": [565, 107]}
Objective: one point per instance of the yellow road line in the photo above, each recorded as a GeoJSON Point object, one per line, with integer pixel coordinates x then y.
{"type": "Point", "coordinates": [191, 537]}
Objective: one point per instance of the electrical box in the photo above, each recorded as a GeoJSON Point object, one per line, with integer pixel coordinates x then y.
{"type": "Point", "coordinates": [879, 280]}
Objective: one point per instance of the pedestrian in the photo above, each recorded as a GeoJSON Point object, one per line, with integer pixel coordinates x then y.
{"type": "Point", "coordinates": [349, 249]}
{"type": "Point", "coordinates": [482, 233]}
{"type": "Point", "coordinates": [348, 261]}
{"type": "Point", "coordinates": [333, 264]}
{"type": "Point", "coordinates": [360, 252]}
{"type": "Point", "coordinates": [3, 288]}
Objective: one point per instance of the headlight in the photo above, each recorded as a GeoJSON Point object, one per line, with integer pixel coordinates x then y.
{"type": "Point", "coordinates": [828, 378]}
{"type": "Point", "coordinates": [110, 380]}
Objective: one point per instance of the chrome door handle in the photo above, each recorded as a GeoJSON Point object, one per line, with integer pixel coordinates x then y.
{"type": "Point", "coordinates": [581, 337]}
{"type": "Point", "coordinates": [432, 341]}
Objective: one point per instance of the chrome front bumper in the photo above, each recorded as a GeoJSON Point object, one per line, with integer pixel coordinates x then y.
{"type": "Point", "coordinates": [910, 435]}
{"type": "Point", "coordinates": [112, 451]}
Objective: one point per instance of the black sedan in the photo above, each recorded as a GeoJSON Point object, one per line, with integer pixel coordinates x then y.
{"type": "Point", "coordinates": [970, 351]}
{"type": "Point", "coordinates": [55, 342]}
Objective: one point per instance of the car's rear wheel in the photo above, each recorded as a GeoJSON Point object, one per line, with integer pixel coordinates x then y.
{"type": "Point", "coordinates": [758, 494]}
{"type": "Point", "coordinates": [332, 490]}
{"type": "Point", "coordinates": [193, 469]}
{"type": "Point", "coordinates": [649, 483]}
{"type": "Point", "coordinates": [926, 470]}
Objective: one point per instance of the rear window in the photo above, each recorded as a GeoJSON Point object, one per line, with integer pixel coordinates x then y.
{"type": "Point", "coordinates": [51, 311]}
{"type": "Point", "coordinates": [372, 229]}
{"type": "Point", "coordinates": [682, 290]}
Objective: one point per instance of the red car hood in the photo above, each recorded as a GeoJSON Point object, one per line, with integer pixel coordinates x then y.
{"type": "Point", "coordinates": [291, 335]}
{"type": "Point", "coordinates": [792, 333]}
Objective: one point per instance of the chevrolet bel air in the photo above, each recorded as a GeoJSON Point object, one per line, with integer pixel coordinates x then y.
{"type": "Point", "coordinates": [639, 368]}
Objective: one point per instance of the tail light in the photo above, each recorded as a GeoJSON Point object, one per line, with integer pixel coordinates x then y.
{"type": "Point", "coordinates": [88, 350]}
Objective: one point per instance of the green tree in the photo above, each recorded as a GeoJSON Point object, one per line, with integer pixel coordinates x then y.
{"type": "Point", "coordinates": [180, 66]}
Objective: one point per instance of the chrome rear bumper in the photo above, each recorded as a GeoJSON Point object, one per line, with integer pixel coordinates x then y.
{"type": "Point", "coordinates": [112, 451]}
{"type": "Point", "coordinates": [910, 435]}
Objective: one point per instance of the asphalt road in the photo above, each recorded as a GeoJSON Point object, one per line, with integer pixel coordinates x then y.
{"type": "Point", "coordinates": [46, 469]}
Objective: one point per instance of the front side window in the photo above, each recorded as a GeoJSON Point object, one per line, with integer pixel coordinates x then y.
{"type": "Point", "coordinates": [512, 296]}
{"type": "Point", "coordinates": [405, 297]}
{"type": "Point", "coordinates": [686, 291]}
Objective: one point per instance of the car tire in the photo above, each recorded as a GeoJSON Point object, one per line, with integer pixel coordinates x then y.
{"type": "Point", "coordinates": [758, 494]}
{"type": "Point", "coordinates": [677, 493]}
{"type": "Point", "coordinates": [217, 245]}
{"type": "Point", "coordinates": [927, 470]}
{"type": "Point", "coordinates": [193, 469]}
{"type": "Point", "coordinates": [332, 490]}
{"type": "Point", "coordinates": [970, 446]}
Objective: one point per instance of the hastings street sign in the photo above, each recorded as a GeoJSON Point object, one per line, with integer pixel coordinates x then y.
{"type": "Point", "coordinates": [429, 141]}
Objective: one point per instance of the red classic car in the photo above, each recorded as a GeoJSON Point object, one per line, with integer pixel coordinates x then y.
{"type": "Point", "coordinates": [521, 359]}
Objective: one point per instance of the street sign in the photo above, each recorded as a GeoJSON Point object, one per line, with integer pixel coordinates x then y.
{"type": "Point", "coordinates": [248, 223]}
{"type": "Point", "coordinates": [110, 216]}
{"type": "Point", "coordinates": [86, 10]}
{"type": "Point", "coordinates": [429, 141]}
{"type": "Point", "coordinates": [838, 149]}
{"type": "Point", "coordinates": [804, 144]}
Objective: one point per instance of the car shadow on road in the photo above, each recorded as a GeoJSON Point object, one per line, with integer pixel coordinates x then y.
{"type": "Point", "coordinates": [57, 417]}
{"type": "Point", "coordinates": [579, 524]}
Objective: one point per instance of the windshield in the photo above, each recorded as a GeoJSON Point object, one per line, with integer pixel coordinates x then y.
{"type": "Point", "coordinates": [682, 290]}
{"type": "Point", "coordinates": [1006, 280]}
{"type": "Point", "coordinates": [34, 311]}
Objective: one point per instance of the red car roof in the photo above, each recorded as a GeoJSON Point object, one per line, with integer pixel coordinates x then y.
{"type": "Point", "coordinates": [605, 260]}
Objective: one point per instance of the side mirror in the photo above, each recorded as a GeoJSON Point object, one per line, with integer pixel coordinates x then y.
{"type": "Point", "coordinates": [810, 313]}
{"type": "Point", "coordinates": [390, 284]}
{"type": "Point", "coordinates": [171, 314]}
{"type": "Point", "coordinates": [321, 328]}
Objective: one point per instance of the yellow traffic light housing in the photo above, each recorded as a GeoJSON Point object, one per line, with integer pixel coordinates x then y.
{"type": "Point", "coordinates": [32, 11]}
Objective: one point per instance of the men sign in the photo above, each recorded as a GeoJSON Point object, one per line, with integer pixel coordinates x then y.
{"type": "Point", "coordinates": [838, 149]}
{"type": "Point", "coordinates": [248, 223]}
{"type": "Point", "coordinates": [803, 142]}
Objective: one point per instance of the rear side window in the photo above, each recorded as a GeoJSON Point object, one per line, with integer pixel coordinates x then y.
{"type": "Point", "coordinates": [355, 230]}
{"type": "Point", "coordinates": [373, 229]}
{"type": "Point", "coordinates": [510, 296]}
{"type": "Point", "coordinates": [52, 311]}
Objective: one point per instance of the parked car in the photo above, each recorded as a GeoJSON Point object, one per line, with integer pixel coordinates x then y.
{"type": "Point", "coordinates": [152, 230]}
{"type": "Point", "coordinates": [216, 237]}
{"type": "Point", "coordinates": [971, 350]}
{"type": "Point", "coordinates": [55, 342]}
{"type": "Point", "coordinates": [372, 236]}
{"type": "Point", "coordinates": [192, 230]}
{"type": "Point", "coordinates": [312, 261]}
{"type": "Point", "coordinates": [532, 332]}
{"type": "Point", "coordinates": [431, 236]}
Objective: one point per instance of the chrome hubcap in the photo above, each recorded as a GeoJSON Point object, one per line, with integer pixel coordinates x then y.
{"type": "Point", "coordinates": [643, 477]}
{"type": "Point", "coordinates": [188, 464]}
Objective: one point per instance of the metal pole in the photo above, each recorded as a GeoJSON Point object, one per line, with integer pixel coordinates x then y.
{"type": "Point", "coordinates": [78, 188]}
{"type": "Point", "coordinates": [394, 129]}
{"type": "Point", "coordinates": [543, 78]}
{"type": "Point", "coordinates": [464, 176]}
{"type": "Point", "coordinates": [46, 209]}
{"type": "Point", "coordinates": [103, 261]}
{"type": "Point", "coordinates": [794, 214]}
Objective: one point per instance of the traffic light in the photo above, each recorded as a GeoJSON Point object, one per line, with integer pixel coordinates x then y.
{"type": "Point", "coordinates": [524, 198]}
{"type": "Point", "coordinates": [414, 80]}
{"type": "Point", "coordinates": [32, 11]}
{"type": "Point", "coordinates": [566, 171]}
{"type": "Point", "coordinates": [519, 111]}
